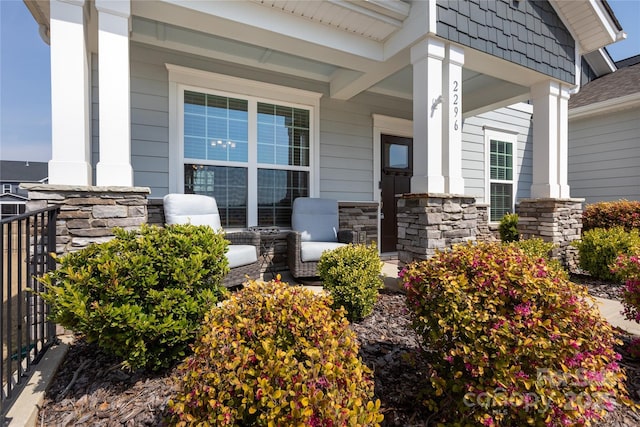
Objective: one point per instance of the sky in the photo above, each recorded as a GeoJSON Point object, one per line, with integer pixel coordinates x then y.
{"type": "Point", "coordinates": [25, 87]}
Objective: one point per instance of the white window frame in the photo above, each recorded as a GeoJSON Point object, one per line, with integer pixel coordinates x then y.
{"type": "Point", "coordinates": [505, 136]}
{"type": "Point", "coordinates": [183, 78]}
{"type": "Point", "coordinates": [6, 188]}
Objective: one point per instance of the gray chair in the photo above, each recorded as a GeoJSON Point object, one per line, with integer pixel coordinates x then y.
{"type": "Point", "coordinates": [198, 209]}
{"type": "Point", "coordinates": [314, 224]}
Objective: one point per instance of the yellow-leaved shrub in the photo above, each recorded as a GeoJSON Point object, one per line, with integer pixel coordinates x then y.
{"type": "Point", "coordinates": [275, 354]}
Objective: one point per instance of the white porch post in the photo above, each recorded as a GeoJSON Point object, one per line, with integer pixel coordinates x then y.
{"type": "Point", "coordinates": [426, 58]}
{"type": "Point", "coordinates": [114, 167]}
{"type": "Point", "coordinates": [563, 142]}
{"type": "Point", "coordinates": [70, 162]}
{"type": "Point", "coordinates": [546, 120]}
{"type": "Point", "coordinates": [452, 126]}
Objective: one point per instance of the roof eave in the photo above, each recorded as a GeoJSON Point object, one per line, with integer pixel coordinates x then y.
{"type": "Point", "coordinates": [596, 12]}
{"type": "Point", "coordinates": [605, 107]}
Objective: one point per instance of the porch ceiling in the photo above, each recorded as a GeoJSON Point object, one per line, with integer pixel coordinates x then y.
{"type": "Point", "coordinates": [374, 19]}
{"type": "Point", "coordinates": [481, 92]}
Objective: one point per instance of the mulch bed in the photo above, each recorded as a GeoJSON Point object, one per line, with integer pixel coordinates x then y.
{"type": "Point", "coordinates": [90, 389]}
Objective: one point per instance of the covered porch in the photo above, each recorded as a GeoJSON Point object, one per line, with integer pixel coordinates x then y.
{"type": "Point", "coordinates": [363, 70]}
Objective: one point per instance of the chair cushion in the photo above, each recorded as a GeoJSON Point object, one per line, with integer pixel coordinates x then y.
{"type": "Point", "coordinates": [195, 209]}
{"type": "Point", "coordinates": [311, 251]}
{"type": "Point", "coordinates": [239, 255]}
{"type": "Point", "coordinates": [315, 219]}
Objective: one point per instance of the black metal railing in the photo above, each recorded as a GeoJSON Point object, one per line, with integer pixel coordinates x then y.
{"type": "Point", "coordinates": [25, 333]}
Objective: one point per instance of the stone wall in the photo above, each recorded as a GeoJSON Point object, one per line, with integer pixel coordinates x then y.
{"type": "Point", "coordinates": [427, 222]}
{"type": "Point", "coordinates": [361, 217]}
{"type": "Point", "coordinates": [155, 212]}
{"type": "Point", "coordinates": [554, 220]}
{"type": "Point", "coordinates": [486, 231]}
{"type": "Point", "coordinates": [88, 213]}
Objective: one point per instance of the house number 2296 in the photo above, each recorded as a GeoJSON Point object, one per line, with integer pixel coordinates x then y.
{"type": "Point", "coordinates": [456, 104]}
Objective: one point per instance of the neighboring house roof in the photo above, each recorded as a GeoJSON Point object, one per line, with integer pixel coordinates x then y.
{"type": "Point", "coordinates": [628, 62]}
{"type": "Point", "coordinates": [20, 171]}
{"type": "Point", "coordinates": [12, 198]}
{"type": "Point", "coordinates": [617, 90]}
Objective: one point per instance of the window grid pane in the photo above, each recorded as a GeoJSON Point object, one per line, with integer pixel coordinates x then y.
{"type": "Point", "coordinates": [501, 158]}
{"type": "Point", "coordinates": [215, 127]}
{"type": "Point", "coordinates": [501, 200]}
{"type": "Point", "coordinates": [501, 168]}
{"type": "Point", "coordinates": [276, 191]}
{"type": "Point", "coordinates": [283, 135]}
{"type": "Point", "coordinates": [228, 185]}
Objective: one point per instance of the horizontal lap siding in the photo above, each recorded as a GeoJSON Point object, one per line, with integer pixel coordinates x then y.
{"type": "Point", "coordinates": [346, 127]}
{"type": "Point", "coordinates": [346, 149]}
{"type": "Point", "coordinates": [516, 118]}
{"type": "Point", "coordinates": [604, 156]}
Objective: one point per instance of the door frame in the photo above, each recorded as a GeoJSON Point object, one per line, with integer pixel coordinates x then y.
{"type": "Point", "coordinates": [389, 126]}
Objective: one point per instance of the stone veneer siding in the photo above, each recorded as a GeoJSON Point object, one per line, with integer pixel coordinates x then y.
{"type": "Point", "coordinates": [88, 213]}
{"type": "Point", "coordinates": [487, 231]}
{"type": "Point", "coordinates": [427, 222]}
{"type": "Point", "coordinates": [361, 217]}
{"type": "Point", "coordinates": [554, 220]}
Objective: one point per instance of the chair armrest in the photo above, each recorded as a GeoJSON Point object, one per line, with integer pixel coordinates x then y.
{"type": "Point", "coordinates": [347, 236]}
{"type": "Point", "coordinates": [294, 240]}
{"type": "Point", "coordinates": [244, 238]}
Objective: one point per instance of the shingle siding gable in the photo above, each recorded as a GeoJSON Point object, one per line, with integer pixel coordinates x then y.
{"type": "Point", "coordinates": [526, 32]}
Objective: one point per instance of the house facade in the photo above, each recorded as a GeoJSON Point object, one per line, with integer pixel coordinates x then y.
{"type": "Point", "coordinates": [13, 199]}
{"type": "Point", "coordinates": [259, 102]}
{"type": "Point", "coordinates": [604, 131]}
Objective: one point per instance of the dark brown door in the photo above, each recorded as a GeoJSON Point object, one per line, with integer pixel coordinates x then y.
{"type": "Point", "coordinates": [397, 168]}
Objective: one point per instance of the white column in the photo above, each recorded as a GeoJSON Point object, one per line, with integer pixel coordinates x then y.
{"type": "Point", "coordinates": [70, 162]}
{"type": "Point", "coordinates": [563, 142]}
{"type": "Point", "coordinates": [546, 124]}
{"type": "Point", "coordinates": [426, 58]}
{"type": "Point", "coordinates": [114, 167]}
{"type": "Point", "coordinates": [452, 123]}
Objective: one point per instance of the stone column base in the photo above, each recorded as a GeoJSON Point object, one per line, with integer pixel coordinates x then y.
{"type": "Point", "coordinates": [88, 213]}
{"type": "Point", "coordinates": [430, 222]}
{"type": "Point", "coordinates": [554, 220]}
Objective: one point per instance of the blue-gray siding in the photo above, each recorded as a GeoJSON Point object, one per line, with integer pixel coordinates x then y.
{"type": "Point", "coordinates": [526, 32]}
{"type": "Point", "coordinates": [514, 119]}
{"type": "Point", "coordinates": [604, 156]}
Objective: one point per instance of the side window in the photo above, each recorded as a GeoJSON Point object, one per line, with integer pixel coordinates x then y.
{"type": "Point", "coordinates": [501, 175]}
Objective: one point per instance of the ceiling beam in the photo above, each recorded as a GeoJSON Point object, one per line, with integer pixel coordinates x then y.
{"type": "Point", "coordinates": [345, 84]}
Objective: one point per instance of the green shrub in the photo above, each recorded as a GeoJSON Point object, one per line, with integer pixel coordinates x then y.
{"type": "Point", "coordinates": [142, 295]}
{"type": "Point", "coordinates": [508, 228]}
{"type": "Point", "coordinates": [622, 213]}
{"type": "Point", "coordinates": [272, 355]}
{"type": "Point", "coordinates": [600, 247]}
{"type": "Point", "coordinates": [537, 248]}
{"type": "Point", "coordinates": [351, 274]}
{"type": "Point", "coordinates": [510, 341]}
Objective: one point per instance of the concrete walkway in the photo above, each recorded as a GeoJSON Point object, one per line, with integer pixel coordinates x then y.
{"type": "Point", "coordinates": [611, 310]}
{"type": "Point", "coordinates": [25, 409]}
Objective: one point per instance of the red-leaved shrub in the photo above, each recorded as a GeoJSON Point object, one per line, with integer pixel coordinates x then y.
{"type": "Point", "coordinates": [510, 341]}
{"type": "Point", "coordinates": [623, 213]}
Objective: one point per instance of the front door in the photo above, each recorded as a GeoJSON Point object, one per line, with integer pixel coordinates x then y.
{"type": "Point", "coordinates": [397, 168]}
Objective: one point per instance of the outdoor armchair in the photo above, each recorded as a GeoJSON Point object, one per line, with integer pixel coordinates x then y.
{"type": "Point", "coordinates": [198, 209]}
{"type": "Point", "coordinates": [314, 224]}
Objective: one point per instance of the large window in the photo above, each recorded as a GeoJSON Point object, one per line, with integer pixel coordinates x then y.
{"type": "Point", "coordinates": [501, 183]}
{"type": "Point", "coordinates": [252, 154]}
